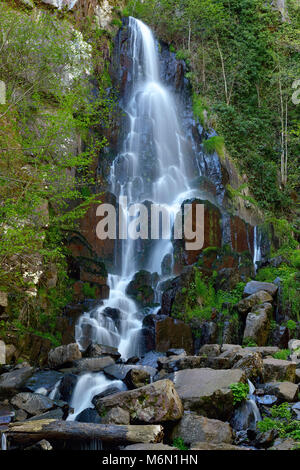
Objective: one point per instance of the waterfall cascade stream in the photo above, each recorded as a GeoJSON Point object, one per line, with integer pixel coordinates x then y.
{"type": "Point", "coordinates": [156, 163]}
{"type": "Point", "coordinates": [153, 123]}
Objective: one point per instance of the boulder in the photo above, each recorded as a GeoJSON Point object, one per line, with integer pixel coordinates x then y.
{"type": "Point", "coordinates": [220, 446]}
{"type": "Point", "coordinates": [176, 352]}
{"type": "Point", "coordinates": [154, 447]}
{"type": "Point", "coordinates": [57, 413]}
{"type": "Point", "coordinates": [278, 370]}
{"type": "Point", "coordinates": [173, 363]}
{"type": "Point", "coordinates": [257, 324]}
{"type": "Point", "coordinates": [210, 350]}
{"type": "Point", "coordinates": [43, 379]}
{"type": "Point", "coordinates": [33, 403]}
{"type": "Point", "coordinates": [266, 439]}
{"type": "Point", "coordinates": [252, 364]}
{"type": "Point", "coordinates": [284, 391]}
{"type": "Point", "coordinates": [253, 287]}
{"type": "Point", "coordinates": [66, 386]}
{"type": "Point", "coordinates": [294, 344]}
{"type": "Point", "coordinates": [263, 350]}
{"type": "Point", "coordinates": [93, 364]}
{"type": "Point", "coordinates": [41, 445]}
{"type": "Point", "coordinates": [154, 403]}
{"type": "Point", "coordinates": [192, 429]}
{"type": "Point", "coordinates": [207, 391]}
{"type": "Point", "coordinates": [12, 382]}
{"type": "Point", "coordinates": [116, 416]}
{"type": "Point", "coordinates": [246, 305]}
{"type": "Point", "coordinates": [89, 415]}
{"type": "Point", "coordinates": [119, 371]}
{"type": "Point", "coordinates": [136, 378]}
{"type": "Point", "coordinates": [98, 350]}
{"type": "Point", "coordinates": [62, 355]}
{"type": "Point", "coordinates": [285, 444]}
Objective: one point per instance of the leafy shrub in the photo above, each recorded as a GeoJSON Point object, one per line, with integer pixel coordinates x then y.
{"type": "Point", "coordinates": [179, 444]}
{"type": "Point", "coordinates": [281, 420]}
{"type": "Point", "coordinates": [282, 354]}
{"type": "Point", "coordinates": [240, 392]}
{"type": "Point", "coordinates": [249, 343]}
{"type": "Point", "coordinates": [215, 144]}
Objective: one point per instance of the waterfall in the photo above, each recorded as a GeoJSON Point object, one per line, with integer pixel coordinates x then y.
{"type": "Point", "coordinates": [89, 385]}
{"type": "Point", "coordinates": [252, 404]}
{"type": "Point", "coordinates": [3, 441]}
{"type": "Point", "coordinates": [154, 164]}
{"type": "Point", "coordinates": [257, 248]}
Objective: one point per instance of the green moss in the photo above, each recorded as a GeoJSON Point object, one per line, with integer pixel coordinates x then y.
{"type": "Point", "coordinates": [215, 144]}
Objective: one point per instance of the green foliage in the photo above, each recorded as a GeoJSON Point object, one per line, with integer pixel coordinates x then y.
{"type": "Point", "coordinates": [291, 325]}
{"type": "Point", "coordinates": [199, 108]}
{"type": "Point", "coordinates": [89, 291]}
{"type": "Point", "coordinates": [240, 392]}
{"type": "Point", "coordinates": [183, 54]}
{"type": "Point", "coordinates": [240, 55]}
{"type": "Point", "coordinates": [282, 421]}
{"type": "Point", "coordinates": [249, 343]}
{"type": "Point", "coordinates": [200, 298]}
{"type": "Point", "coordinates": [290, 283]}
{"type": "Point", "coordinates": [179, 443]}
{"type": "Point", "coordinates": [282, 354]}
{"type": "Point", "coordinates": [215, 144]}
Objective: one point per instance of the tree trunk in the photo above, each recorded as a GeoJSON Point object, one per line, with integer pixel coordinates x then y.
{"type": "Point", "coordinates": [51, 429]}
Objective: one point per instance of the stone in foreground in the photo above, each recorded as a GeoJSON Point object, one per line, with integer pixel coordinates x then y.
{"type": "Point", "coordinates": [193, 429]}
{"type": "Point", "coordinates": [284, 391]}
{"type": "Point", "coordinates": [154, 403]}
{"type": "Point", "coordinates": [154, 447]}
{"type": "Point", "coordinates": [63, 355]}
{"type": "Point", "coordinates": [211, 446]}
{"type": "Point", "coordinates": [278, 370]}
{"type": "Point", "coordinates": [12, 382]}
{"type": "Point", "coordinates": [207, 391]}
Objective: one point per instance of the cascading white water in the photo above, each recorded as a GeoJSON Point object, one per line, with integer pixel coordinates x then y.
{"type": "Point", "coordinates": [154, 136]}
{"type": "Point", "coordinates": [257, 249]}
{"type": "Point", "coordinates": [89, 385]}
{"type": "Point", "coordinates": [252, 403]}
{"type": "Point", "coordinates": [3, 441]}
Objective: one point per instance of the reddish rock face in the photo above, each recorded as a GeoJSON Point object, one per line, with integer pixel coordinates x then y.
{"type": "Point", "coordinates": [212, 235]}
{"type": "Point", "coordinates": [102, 248]}
{"type": "Point", "coordinates": [242, 235]}
{"type": "Point", "coordinates": [242, 239]}
{"type": "Point", "coordinates": [173, 334]}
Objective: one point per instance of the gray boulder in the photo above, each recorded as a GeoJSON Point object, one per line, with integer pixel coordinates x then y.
{"type": "Point", "coordinates": [33, 403]}
{"type": "Point", "coordinates": [193, 429]}
{"type": "Point", "coordinates": [246, 305]}
{"type": "Point", "coordinates": [93, 364]}
{"type": "Point", "coordinates": [62, 355]}
{"type": "Point", "coordinates": [284, 391]}
{"type": "Point", "coordinates": [257, 324]}
{"type": "Point", "coordinates": [12, 382]}
{"type": "Point", "coordinates": [253, 287]}
{"type": "Point", "coordinates": [207, 391]}
{"type": "Point", "coordinates": [154, 403]}
{"type": "Point", "coordinates": [278, 370]}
